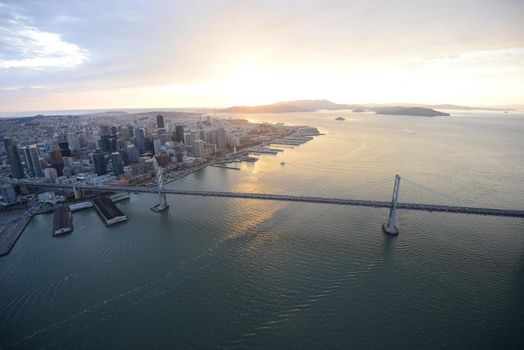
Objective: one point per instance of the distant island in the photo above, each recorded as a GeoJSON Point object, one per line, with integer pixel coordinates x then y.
{"type": "Point", "coordinates": [290, 106]}
{"type": "Point", "coordinates": [385, 109]}
{"type": "Point", "coordinates": [314, 105]}
{"type": "Point", "coordinates": [416, 111]}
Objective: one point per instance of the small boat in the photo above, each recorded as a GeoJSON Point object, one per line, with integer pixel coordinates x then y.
{"type": "Point", "coordinates": [340, 118]}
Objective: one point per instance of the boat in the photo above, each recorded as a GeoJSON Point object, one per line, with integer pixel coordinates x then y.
{"type": "Point", "coordinates": [340, 118]}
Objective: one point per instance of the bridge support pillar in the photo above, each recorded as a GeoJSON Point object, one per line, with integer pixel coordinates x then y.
{"type": "Point", "coordinates": [162, 201]}
{"type": "Point", "coordinates": [391, 226]}
{"type": "Point", "coordinates": [79, 194]}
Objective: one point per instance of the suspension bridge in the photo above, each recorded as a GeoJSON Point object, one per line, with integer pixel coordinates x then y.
{"type": "Point", "coordinates": [389, 227]}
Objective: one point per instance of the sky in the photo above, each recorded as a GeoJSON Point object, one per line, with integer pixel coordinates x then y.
{"type": "Point", "coordinates": [64, 54]}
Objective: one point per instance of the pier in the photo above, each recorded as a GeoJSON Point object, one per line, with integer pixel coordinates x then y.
{"type": "Point", "coordinates": [80, 206]}
{"type": "Point", "coordinates": [62, 220]}
{"type": "Point", "coordinates": [108, 211]}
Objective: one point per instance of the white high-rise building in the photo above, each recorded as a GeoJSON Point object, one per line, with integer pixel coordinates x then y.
{"type": "Point", "coordinates": [198, 148]}
{"type": "Point", "coordinates": [50, 174]}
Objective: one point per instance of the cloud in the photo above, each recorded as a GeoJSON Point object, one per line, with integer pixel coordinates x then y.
{"type": "Point", "coordinates": [25, 46]}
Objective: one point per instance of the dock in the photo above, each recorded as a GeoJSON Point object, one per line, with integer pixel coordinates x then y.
{"type": "Point", "coordinates": [11, 233]}
{"type": "Point", "coordinates": [226, 167]}
{"type": "Point", "coordinates": [117, 197]}
{"type": "Point", "coordinates": [80, 206]}
{"type": "Point", "coordinates": [62, 220]}
{"type": "Point", "coordinates": [108, 211]}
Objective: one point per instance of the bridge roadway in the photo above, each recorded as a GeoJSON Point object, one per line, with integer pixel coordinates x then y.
{"type": "Point", "coordinates": [290, 198]}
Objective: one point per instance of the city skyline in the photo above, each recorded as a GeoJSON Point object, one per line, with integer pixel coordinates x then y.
{"type": "Point", "coordinates": [217, 54]}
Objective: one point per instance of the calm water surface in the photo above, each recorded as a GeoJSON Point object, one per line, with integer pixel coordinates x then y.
{"type": "Point", "coordinates": [231, 273]}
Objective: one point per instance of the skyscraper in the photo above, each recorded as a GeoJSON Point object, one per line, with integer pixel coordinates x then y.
{"type": "Point", "coordinates": [56, 160]}
{"type": "Point", "coordinates": [99, 162]}
{"type": "Point", "coordinates": [73, 141]}
{"type": "Point", "coordinates": [50, 174]}
{"type": "Point", "coordinates": [108, 142]}
{"type": "Point", "coordinates": [118, 163]}
{"type": "Point", "coordinates": [33, 161]}
{"type": "Point", "coordinates": [179, 133]}
{"type": "Point", "coordinates": [13, 156]}
{"type": "Point", "coordinates": [198, 148]}
{"type": "Point", "coordinates": [222, 142]}
{"type": "Point", "coordinates": [160, 121]}
{"type": "Point", "coordinates": [131, 154]}
{"type": "Point", "coordinates": [140, 139]}
{"type": "Point", "coordinates": [64, 149]}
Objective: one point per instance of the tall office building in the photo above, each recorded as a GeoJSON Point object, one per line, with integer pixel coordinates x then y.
{"type": "Point", "coordinates": [157, 144]}
{"type": "Point", "coordinates": [105, 129]}
{"type": "Point", "coordinates": [179, 133]}
{"type": "Point", "coordinates": [140, 140]}
{"type": "Point", "coordinates": [198, 148]}
{"type": "Point", "coordinates": [74, 142]}
{"type": "Point", "coordinates": [160, 121]}
{"type": "Point", "coordinates": [64, 148]}
{"type": "Point", "coordinates": [50, 174]}
{"type": "Point", "coordinates": [99, 162]}
{"type": "Point", "coordinates": [118, 163]}
{"type": "Point", "coordinates": [131, 154]}
{"type": "Point", "coordinates": [221, 142]}
{"type": "Point", "coordinates": [56, 159]}
{"type": "Point", "coordinates": [108, 142]}
{"type": "Point", "coordinates": [13, 156]}
{"type": "Point", "coordinates": [33, 161]}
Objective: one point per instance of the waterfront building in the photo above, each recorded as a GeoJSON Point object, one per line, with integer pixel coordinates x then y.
{"type": "Point", "coordinates": [32, 161]}
{"type": "Point", "coordinates": [13, 156]}
{"type": "Point", "coordinates": [99, 162]}
{"type": "Point", "coordinates": [8, 193]}
{"type": "Point", "coordinates": [117, 163]}
{"type": "Point", "coordinates": [50, 198]}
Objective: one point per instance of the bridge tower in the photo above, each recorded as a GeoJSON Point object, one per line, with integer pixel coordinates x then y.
{"type": "Point", "coordinates": [78, 193]}
{"type": "Point", "coordinates": [160, 162]}
{"type": "Point", "coordinates": [390, 227]}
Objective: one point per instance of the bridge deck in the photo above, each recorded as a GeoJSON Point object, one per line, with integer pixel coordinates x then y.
{"type": "Point", "coordinates": [293, 198]}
